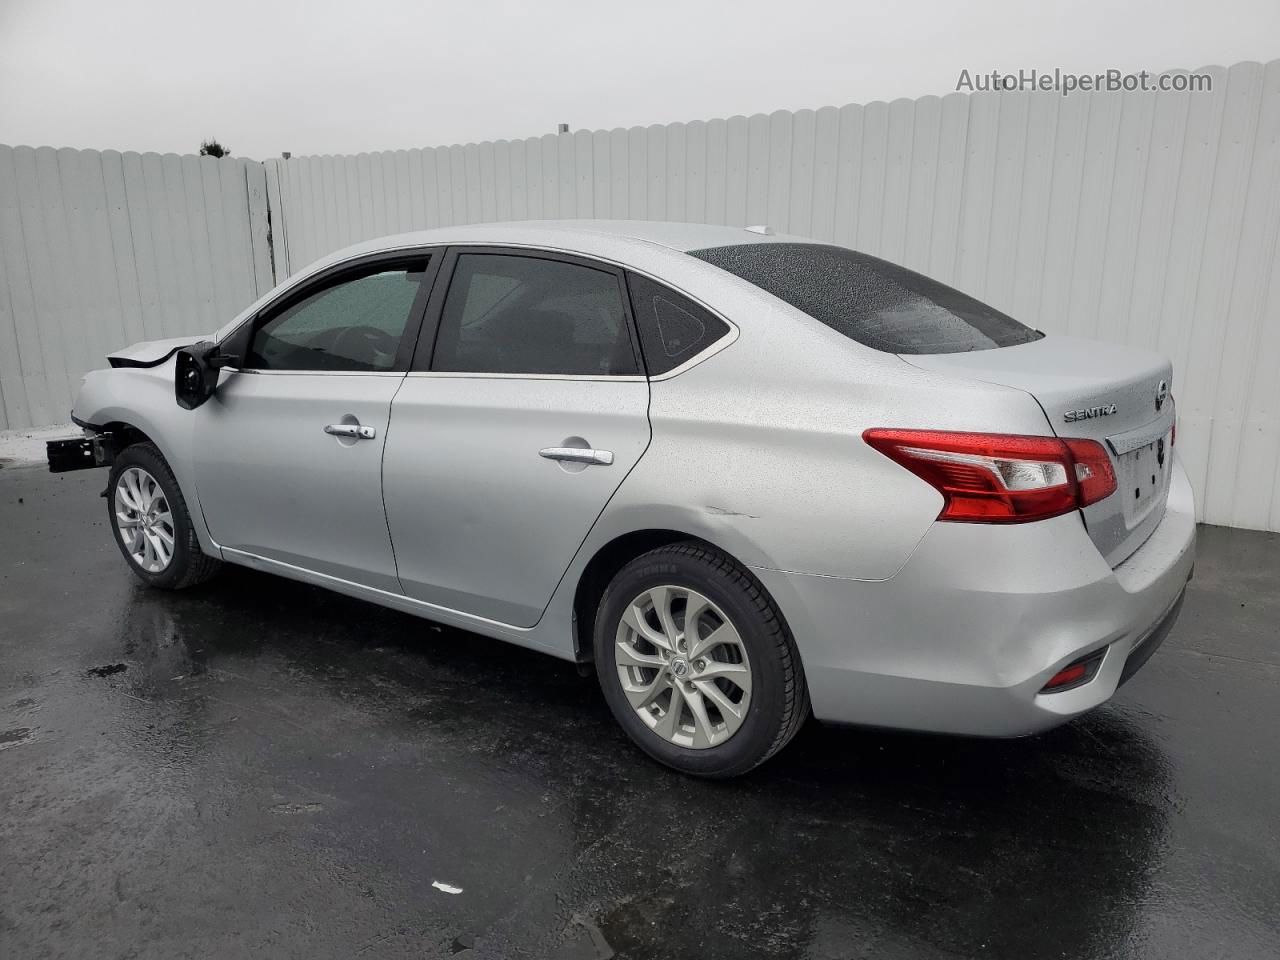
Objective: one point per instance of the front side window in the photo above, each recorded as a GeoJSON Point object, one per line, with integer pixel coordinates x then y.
{"type": "Point", "coordinates": [870, 300]}
{"type": "Point", "coordinates": [353, 325]}
{"type": "Point", "coordinates": [527, 315]}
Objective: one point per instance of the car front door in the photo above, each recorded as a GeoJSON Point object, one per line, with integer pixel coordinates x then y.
{"type": "Point", "coordinates": [510, 435]}
{"type": "Point", "coordinates": [289, 449]}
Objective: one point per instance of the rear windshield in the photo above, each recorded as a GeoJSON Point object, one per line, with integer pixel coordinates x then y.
{"type": "Point", "coordinates": [870, 300]}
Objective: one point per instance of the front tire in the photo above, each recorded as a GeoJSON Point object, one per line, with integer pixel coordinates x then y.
{"type": "Point", "coordinates": [151, 523]}
{"type": "Point", "coordinates": [696, 662]}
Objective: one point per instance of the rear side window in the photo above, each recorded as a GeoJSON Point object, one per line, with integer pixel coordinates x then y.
{"type": "Point", "coordinates": [870, 300]}
{"type": "Point", "coordinates": [672, 327]}
{"type": "Point", "coordinates": [513, 314]}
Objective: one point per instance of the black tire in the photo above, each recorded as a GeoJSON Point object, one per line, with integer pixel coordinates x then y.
{"type": "Point", "coordinates": [779, 703]}
{"type": "Point", "coordinates": [189, 565]}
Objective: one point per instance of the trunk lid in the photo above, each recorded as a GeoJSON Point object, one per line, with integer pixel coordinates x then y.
{"type": "Point", "coordinates": [1117, 395]}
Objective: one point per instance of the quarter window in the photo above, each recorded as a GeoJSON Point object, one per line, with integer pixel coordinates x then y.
{"type": "Point", "coordinates": [353, 325]}
{"type": "Point", "coordinates": [672, 327]}
{"type": "Point", "coordinates": [516, 314]}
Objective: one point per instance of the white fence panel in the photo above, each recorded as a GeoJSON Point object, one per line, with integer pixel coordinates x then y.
{"type": "Point", "coordinates": [102, 249]}
{"type": "Point", "coordinates": [1150, 219]}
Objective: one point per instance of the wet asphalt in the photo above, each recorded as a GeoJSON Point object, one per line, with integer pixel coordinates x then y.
{"type": "Point", "coordinates": [257, 768]}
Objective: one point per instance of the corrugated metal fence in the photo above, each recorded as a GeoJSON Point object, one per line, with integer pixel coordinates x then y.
{"type": "Point", "coordinates": [99, 250]}
{"type": "Point", "coordinates": [1144, 218]}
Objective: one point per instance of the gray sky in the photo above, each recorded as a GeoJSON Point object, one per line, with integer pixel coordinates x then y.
{"type": "Point", "coordinates": [341, 77]}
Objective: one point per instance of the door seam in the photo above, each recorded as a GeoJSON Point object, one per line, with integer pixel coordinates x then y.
{"type": "Point", "coordinates": [382, 486]}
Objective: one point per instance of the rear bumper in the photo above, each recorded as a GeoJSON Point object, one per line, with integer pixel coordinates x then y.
{"type": "Point", "coordinates": [1144, 647]}
{"type": "Point", "coordinates": [965, 636]}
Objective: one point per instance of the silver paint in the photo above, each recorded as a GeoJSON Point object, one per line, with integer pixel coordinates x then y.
{"type": "Point", "coordinates": [451, 513]}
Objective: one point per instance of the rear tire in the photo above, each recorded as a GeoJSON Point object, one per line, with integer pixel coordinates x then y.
{"type": "Point", "coordinates": [735, 678]}
{"type": "Point", "coordinates": [151, 523]}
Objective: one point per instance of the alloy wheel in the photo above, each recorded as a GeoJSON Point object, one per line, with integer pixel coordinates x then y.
{"type": "Point", "coordinates": [683, 667]}
{"type": "Point", "coordinates": [144, 520]}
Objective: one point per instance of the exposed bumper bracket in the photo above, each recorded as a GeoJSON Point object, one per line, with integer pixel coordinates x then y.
{"type": "Point", "coordinates": [80, 453]}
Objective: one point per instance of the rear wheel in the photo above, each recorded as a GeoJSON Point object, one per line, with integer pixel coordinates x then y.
{"type": "Point", "coordinates": [151, 523]}
{"type": "Point", "coordinates": [696, 663]}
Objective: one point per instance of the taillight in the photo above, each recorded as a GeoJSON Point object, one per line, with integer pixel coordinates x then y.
{"type": "Point", "coordinates": [1094, 474]}
{"type": "Point", "coordinates": [999, 478]}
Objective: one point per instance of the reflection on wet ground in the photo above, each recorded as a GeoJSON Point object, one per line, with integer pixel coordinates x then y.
{"type": "Point", "coordinates": [261, 768]}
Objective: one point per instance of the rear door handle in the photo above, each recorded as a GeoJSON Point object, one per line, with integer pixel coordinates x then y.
{"type": "Point", "coordinates": [602, 458]}
{"type": "Point", "coordinates": [356, 431]}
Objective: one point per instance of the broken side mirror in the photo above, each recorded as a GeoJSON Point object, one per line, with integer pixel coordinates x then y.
{"type": "Point", "coordinates": [196, 373]}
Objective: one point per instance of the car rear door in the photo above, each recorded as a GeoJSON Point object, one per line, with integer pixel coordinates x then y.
{"type": "Point", "coordinates": [289, 449]}
{"type": "Point", "coordinates": [525, 408]}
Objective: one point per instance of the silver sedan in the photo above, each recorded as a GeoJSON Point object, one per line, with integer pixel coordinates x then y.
{"type": "Point", "coordinates": [750, 477]}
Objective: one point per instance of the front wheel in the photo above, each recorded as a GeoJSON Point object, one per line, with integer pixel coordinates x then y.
{"type": "Point", "coordinates": [696, 662]}
{"type": "Point", "coordinates": [152, 527]}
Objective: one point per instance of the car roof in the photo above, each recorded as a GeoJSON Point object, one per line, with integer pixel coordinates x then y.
{"type": "Point", "coordinates": [677, 236]}
{"type": "Point", "coordinates": [600, 237]}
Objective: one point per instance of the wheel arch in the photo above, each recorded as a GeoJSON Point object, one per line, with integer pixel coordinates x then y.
{"type": "Point", "coordinates": [604, 564]}
{"type": "Point", "coordinates": [139, 403]}
{"type": "Point", "coordinates": [126, 433]}
{"type": "Point", "coordinates": [130, 427]}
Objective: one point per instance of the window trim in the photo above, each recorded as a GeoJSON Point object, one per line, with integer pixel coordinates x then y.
{"type": "Point", "coordinates": [237, 342]}
{"type": "Point", "coordinates": [438, 252]}
{"type": "Point", "coordinates": [429, 337]}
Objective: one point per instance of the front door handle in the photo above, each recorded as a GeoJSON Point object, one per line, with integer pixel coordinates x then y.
{"type": "Point", "coordinates": [356, 431]}
{"type": "Point", "coordinates": [602, 458]}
